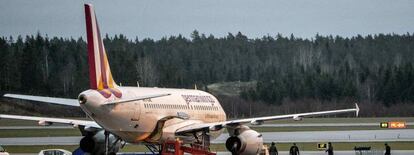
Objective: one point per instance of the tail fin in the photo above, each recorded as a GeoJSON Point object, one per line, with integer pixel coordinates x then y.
{"type": "Point", "coordinates": [99, 71]}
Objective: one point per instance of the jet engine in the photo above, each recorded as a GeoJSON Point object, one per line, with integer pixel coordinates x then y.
{"type": "Point", "coordinates": [244, 141]}
{"type": "Point", "coordinates": [94, 143]}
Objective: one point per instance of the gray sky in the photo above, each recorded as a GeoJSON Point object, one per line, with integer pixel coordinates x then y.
{"type": "Point", "coordinates": [254, 18]}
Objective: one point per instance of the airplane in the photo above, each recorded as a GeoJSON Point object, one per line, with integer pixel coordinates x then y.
{"type": "Point", "coordinates": [149, 116]}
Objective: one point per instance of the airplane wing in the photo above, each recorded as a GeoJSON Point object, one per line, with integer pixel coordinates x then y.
{"type": "Point", "coordinates": [259, 120]}
{"type": "Point", "coordinates": [48, 120]}
{"type": "Point", "coordinates": [54, 100]}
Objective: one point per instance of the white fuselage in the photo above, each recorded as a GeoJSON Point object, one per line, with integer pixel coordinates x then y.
{"type": "Point", "coordinates": [152, 120]}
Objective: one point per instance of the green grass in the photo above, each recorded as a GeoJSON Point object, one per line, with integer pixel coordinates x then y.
{"type": "Point", "coordinates": [12, 122]}
{"type": "Point", "coordinates": [75, 132]}
{"type": "Point", "coordinates": [328, 128]}
{"type": "Point", "coordinates": [37, 148]}
{"type": "Point", "coordinates": [39, 133]}
{"type": "Point", "coordinates": [230, 88]}
{"type": "Point", "coordinates": [221, 147]}
{"type": "Point", "coordinates": [344, 120]}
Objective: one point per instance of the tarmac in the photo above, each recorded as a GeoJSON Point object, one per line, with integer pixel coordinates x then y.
{"type": "Point", "coordinates": [386, 135]}
{"type": "Point", "coordinates": [377, 152]}
{"type": "Point", "coordinates": [389, 135]}
{"type": "Point", "coordinates": [325, 125]}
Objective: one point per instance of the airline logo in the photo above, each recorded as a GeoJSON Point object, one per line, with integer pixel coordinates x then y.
{"type": "Point", "coordinates": [99, 71]}
{"type": "Point", "coordinates": [198, 99]}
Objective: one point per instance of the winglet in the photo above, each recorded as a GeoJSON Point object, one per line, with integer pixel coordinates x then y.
{"type": "Point", "coordinates": [357, 109]}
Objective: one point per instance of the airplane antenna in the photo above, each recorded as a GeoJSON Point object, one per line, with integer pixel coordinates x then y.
{"type": "Point", "coordinates": [137, 84]}
{"type": "Point", "coordinates": [195, 86]}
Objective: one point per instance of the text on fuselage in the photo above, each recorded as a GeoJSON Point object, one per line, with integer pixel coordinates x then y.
{"type": "Point", "coordinates": [198, 99]}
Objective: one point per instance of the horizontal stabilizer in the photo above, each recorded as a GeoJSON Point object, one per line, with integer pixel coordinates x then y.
{"type": "Point", "coordinates": [136, 98]}
{"type": "Point", "coordinates": [73, 122]}
{"type": "Point", "coordinates": [53, 100]}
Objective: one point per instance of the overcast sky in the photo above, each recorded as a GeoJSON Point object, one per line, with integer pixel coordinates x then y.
{"type": "Point", "coordinates": [254, 18]}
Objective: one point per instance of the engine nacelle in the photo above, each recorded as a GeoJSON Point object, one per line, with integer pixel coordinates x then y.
{"type": "Point", "coordinates": [94, 143]}
{"type": "Point", "coordinates": [246, 142]}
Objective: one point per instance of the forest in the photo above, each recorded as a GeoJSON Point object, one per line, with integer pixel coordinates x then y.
{"type": "Point", "coordinates": [375, 70]}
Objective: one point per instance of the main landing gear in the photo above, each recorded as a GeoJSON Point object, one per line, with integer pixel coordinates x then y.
{"type": "Point", "coordinates": [106, 133]}
{"type": "Point", "coordinates": [108, 146]}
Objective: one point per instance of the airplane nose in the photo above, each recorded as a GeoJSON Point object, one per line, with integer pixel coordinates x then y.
{"type": "Point", "coordinates": [82, 99]}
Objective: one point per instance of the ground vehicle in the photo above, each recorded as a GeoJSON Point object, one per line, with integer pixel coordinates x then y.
{"type": "Point", "coordinates": [3, 151]}
{"type": "Point", "coordinates": [54, 152]}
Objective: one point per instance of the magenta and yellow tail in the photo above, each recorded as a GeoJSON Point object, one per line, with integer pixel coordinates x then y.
{"type": "Point", "coordinates": [99, 71]}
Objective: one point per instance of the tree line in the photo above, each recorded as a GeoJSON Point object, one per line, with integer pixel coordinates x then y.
{"type": "Point", "coordinates": [373, 68]}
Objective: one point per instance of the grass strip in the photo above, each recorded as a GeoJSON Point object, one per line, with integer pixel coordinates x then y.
{"type": "Point", "coordinates": [6, 133]}
{"type": "Point", "coordinates": [38, 133]}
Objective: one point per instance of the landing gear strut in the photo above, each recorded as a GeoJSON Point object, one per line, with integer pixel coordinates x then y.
{"type": "Point", "coordinates": [106, 133]}
{"type": "Point", "coordinates": [204, 142]}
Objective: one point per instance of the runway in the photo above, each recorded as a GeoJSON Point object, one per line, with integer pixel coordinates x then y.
{"type": "Point", "coordinates": [324, 124]}
{"type": "Point", "coordinates": [389, 135]}
{"type": "Point", "coordinates": [380, 152]}
{"type": "Point", "coordinates": [335, 136]}
{"type": "Point", "coordinates": [41, 141]}
{"type": "Point", "coordinates": [393, 152]}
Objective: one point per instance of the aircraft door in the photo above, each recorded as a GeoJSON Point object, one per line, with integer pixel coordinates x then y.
{"type": "Point", "coordinates": [136, 111]}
